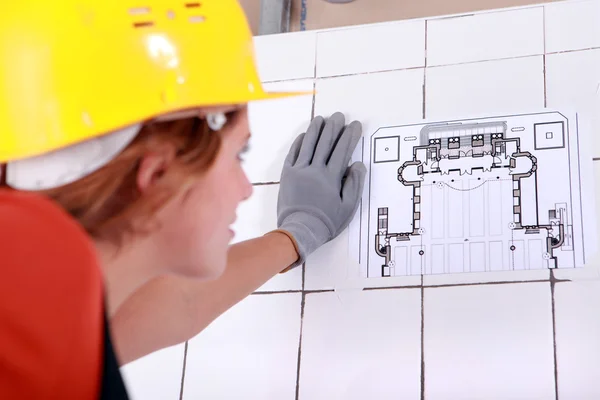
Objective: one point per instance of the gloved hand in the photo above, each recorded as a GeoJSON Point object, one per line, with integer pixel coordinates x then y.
{"type": "Point", "coordinates": [319, 194]}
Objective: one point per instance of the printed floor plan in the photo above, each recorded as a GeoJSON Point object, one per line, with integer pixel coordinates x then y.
{"type": "Point", "coordinates": [488, 194]}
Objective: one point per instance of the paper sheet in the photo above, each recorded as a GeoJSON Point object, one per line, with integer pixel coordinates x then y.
{"type": "Point", "coordinates": [495, 193]}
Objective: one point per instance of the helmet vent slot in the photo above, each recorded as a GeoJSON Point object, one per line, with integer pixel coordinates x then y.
{"type": "Point", "coordinates": [139, 10]}
{"type": "Point", "coordinates": [196, 19]}
{"type": "Point", "coordinates": [192, 5]}
{"type": "Point", "coordinates": [144, 24]}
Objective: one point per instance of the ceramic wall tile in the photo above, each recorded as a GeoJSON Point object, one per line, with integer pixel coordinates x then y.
{"type": "Point", "coordinates": [376, 100]}
{"type": "Point", "coordinates": [156, 376]}
{"type": "Point", "coordinates": [257, 216]}
{"type": "Point", "coordinates": [489, 341]}
{"type": "Point", "coordinates": [274, 125]}
{"type": "Point", "coordinates": [573, 82]}
{"type": "Point", "coordinates": [381, 47]}
{"type": "Point", "coordinates": [572, 25]}
{"type": "Point", "coordinates": [286, 56]}
{"type": "Point", "coordinates": [577, 345]}
{"type": "Point", "coordinates": [480, 37]}
{"type": "Point", "coordinates": [249, 352]}
{"type": "Point", "coordinates": [361, 345]}
{"type": "Point", "coordinates": [513, 85]}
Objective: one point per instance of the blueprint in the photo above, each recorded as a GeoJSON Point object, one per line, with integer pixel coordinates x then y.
{"type": "Point", "coordinates": [474, 195]}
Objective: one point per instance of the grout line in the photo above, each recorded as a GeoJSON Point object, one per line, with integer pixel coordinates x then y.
{"type": "Point", "coordinates": [484, 283]}
{"type": "Point", "coordinates": [488, 60]}
{"type": "Point", "coordinates": [552, 287]}
{"type": "Point", "coordinates": [544, 26]}
{"type": "Point", "coordinates": [265, 183]}
{"type": "Point", "coordinates": [429, 66]}
{"type": "Point", "coordinates": [300, 346]}
{"type": "Point", "coordinates": [267, 292]}
{"type": "Point", "coordinates": [544, 36]}
{"type": "Point", "coordinates": [422, 340]}
{"type": "Point", "coordinates": [314, 97]}
{"type": "Point", "coordinates": [303, 276]}
{"type": "Point", "coordinates": [443, 285]}
{"type": "Point", "coordinates": [425, 77]}
{"type": "Point", "coordinates": [368, 73]}
{"type": "Point", "coordinates": [268, 82]}
{"type": "Point", "coordinates": [575, 50]}
{"type": "Point", "coordinates": [545, 84]}
{"type": "Point", "coordinates": [183, 371]}
{"type": "Point", "coordinates": [390, 288]}
{"type": "Point", "coordinates": [316, 291]}
{"type": "Point", "coordinates": [314, 100]}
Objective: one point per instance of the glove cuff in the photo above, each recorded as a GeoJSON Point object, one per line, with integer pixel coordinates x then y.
{"type": "Point", "coordinates": [308, 233]}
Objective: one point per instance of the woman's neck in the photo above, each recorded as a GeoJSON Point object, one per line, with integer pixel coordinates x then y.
{"type": "Point", "coordinates": [125, 270]}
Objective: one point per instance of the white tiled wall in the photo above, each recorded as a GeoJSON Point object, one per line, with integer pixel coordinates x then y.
{"type": "Point", "coordinates": [493, 341]}
{"type": "Point", "coordinates": [370, 49]}
{"type": "Point", "coordinates": [510, 85]}
{"type": "Point", "coordinates": [257, 216]}
{"type": "Point", "coordinates": [250, 352]}
{"type": "Point", "coordinates": [285, 57]}
{"type": "Point", "coordinates": [572, 25]}
{"type": "Point", "coordinates": [274, 124]}
{"type": "Point", "coordinates": [370, 98]}
{"type": "Point", "coordinates": [573, 81]}
{"type": "Point", "coordinates": [363, 346]}
{"type": "Point", "coordinates": [487, 36]}
{"type": "Point", "coordinates": [155, 376]}
{"type": "Point", "coordinates": [577, 339]}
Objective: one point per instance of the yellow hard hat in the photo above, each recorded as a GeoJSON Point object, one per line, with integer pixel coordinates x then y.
{"type": "Point", "coordinates": [72, 70]}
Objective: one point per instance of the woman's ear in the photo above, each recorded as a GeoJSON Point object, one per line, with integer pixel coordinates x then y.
{"type": "Point", "coordinates": [153, 166]}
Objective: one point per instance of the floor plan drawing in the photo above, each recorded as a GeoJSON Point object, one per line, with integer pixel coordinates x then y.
{"type": "Point", "coordinates": [473, 195]}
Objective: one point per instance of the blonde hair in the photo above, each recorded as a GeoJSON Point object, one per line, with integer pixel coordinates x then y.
{"type": "Point", "coordinates": [108, 204]}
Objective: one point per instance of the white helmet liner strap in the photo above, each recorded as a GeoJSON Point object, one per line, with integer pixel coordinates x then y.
{"type": "Point", "coordinates": [67, 165]}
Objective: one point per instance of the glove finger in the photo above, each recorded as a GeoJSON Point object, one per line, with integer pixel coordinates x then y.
{"type": "Point", "coordinates": [340, 158]}
{"type": "Point", "coordinates": [352, 190]}
{"type": "Point", "coordinates": [331, 131]}
{"type": "Point", "coordinates": [292, 156]}
{"type": "Point", "coordinates": [311, 137]}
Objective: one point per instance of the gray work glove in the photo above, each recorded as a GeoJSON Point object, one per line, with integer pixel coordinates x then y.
{"type": "Point", "coordinates": [319, 194]}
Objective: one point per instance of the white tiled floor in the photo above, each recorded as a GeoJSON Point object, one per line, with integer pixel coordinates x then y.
{"type": "Point", "coordinates": [369, 49]}
{"type": "Point", "coordinates": [489, 342]}
{"type": "Point", "coordinates": [577, 339]}
{"type": "Point", "coordinates": [476, 38]}
{"type": "Point", "coordinates": [511, 85]}
{"type": "Point", "coordinates": [156, 376]}
{"type": "Point", "coordinates": [251, 352]}
{"type": "Point", "coordinates": [365, 346]}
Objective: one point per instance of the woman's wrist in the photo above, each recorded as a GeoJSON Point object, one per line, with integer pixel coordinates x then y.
{"type": "Point", "coordinates": [289, 247]}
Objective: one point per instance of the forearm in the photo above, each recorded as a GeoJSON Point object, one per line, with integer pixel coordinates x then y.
{"type": "Point", "coordinates": [170, 310]}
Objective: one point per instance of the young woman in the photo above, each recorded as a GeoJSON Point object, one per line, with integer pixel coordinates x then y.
{"type": "Point", "coordinates": [122, 132]}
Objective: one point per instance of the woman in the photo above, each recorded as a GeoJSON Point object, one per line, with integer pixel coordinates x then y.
{"type": "Point", "coordinates": [122, 133]}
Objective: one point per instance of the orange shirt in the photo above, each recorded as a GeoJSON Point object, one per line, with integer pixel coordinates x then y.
{"type": "Point", "coordinates": [51, 307]}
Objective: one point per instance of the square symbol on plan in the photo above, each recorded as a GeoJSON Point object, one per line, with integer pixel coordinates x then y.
{"type": "Point", "coordinates": [387, 149]}
{"type": "Point", "coordinates": [549, 135]}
